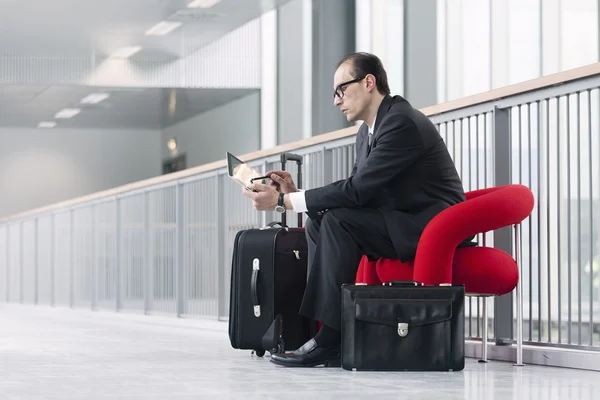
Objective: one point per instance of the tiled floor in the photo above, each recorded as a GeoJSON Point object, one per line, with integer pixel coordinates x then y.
{"type": "Point", "coordinates": [63, 354]}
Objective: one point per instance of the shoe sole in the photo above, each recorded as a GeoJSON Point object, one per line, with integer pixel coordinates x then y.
{"type": "Point", "coordinates": [325, 364]}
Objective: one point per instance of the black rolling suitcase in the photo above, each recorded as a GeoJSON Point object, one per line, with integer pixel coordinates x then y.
{"type": "Point", "coordinates": [268, 278]}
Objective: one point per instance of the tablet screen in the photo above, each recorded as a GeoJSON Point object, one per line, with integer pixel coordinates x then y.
{"type": "Point", "coordinates": [232, 163]}
{"type": "Point", "coordinates": [240, 171]}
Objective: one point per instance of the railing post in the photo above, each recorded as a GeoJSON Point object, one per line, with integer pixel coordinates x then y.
{"type": "Point", "coordinates": [222, 310]}
{"type": "Point", "coordinates": [179, 250]}
{"type": "Point", "coordinates": [52, 263]}
{"type": "Point", "coordinates": [21, 265]}
{"type": "Point", "coordinates": [503, 305]}
{"type": "Point", "coordinates": [36, 274]}
{"type": "Point", "coordinates": [72, 260]}
{"type": "Point", "coordinates": [149, 262]}
{"type": "Point", "coordinates": [118, 255]}
{"type": "Point", "coordinates": [6, 244]}
{"type": "Point", "coordinates": [94, 258]}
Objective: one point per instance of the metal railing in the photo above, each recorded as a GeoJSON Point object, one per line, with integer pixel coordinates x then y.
{"type": "Point", "coordinates": [165, 245]}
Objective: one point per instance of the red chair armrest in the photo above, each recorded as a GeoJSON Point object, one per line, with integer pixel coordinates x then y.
{"type": "Point", "coordinates": [485, 210]}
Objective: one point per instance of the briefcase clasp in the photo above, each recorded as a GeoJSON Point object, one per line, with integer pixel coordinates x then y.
{"type": "Point", "coordinates": [402, 329]}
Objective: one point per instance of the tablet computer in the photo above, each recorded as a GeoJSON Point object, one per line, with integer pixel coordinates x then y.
{"type": "Point", "coordinates": [242, 172]}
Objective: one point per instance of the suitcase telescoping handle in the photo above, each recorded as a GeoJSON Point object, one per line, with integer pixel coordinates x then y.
{"type": "Point", "coordinates": [298, 158]}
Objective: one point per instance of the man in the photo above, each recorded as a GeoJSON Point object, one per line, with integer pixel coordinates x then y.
{"type": "Point", "coordinates": [402, 178]}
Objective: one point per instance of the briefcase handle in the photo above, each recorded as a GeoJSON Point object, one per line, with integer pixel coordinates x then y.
{"type": "Point", "coordinates": [402, 283]}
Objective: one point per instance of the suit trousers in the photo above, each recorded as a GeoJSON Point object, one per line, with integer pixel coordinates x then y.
{"type": "Point", "coordinates": [336, 243]}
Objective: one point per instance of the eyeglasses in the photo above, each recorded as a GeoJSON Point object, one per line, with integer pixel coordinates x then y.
{"type": "Point", "coordinates": [339, 90]}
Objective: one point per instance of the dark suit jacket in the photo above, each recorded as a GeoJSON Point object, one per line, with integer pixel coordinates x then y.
{"type": "Point", "coordinates": [407, 174]}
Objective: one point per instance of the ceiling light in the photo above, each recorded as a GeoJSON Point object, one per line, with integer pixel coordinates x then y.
{"type": "Point", "coordinates": [47, 124]}
{"type": "Point", "coordinates": [202, 3]}
{"type": "Point", "coordinates": [67, 113]}
{"type": "Point", "coordinates": [172, 144]}
{"type": "Point", "coordinates": [162, 28]}
{"type": "Point", "coordinates": [126, 52]}
{"type": "Point", "coordinates": [95, 98]}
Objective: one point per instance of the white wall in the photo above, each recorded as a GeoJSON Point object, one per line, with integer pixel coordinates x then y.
{"type": "Point", "coordinates": [43, 166]}
{"type": "Point", "coordinates": [233, 127]}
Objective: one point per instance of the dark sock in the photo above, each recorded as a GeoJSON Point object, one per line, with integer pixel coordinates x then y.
{"type": "Point", "coordinates": [328, 336]}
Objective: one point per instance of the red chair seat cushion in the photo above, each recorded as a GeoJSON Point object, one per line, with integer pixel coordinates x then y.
{"type": "Point", "coordinates": [483, 270]}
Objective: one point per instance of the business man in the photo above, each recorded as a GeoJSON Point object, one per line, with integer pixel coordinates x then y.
{"type": "Point", "coordinates": [402, 178]}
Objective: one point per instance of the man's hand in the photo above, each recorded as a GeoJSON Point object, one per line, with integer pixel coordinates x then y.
{"type": "Point", "coordinates": [282, 181]}
{"type": "Point", "coordinates": [265, 197]}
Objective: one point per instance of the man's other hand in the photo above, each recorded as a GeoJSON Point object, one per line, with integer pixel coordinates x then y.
{"type": "Point", "coordinates": [282, 181]}
{"type": "Point", "coordinates": [264, 199]}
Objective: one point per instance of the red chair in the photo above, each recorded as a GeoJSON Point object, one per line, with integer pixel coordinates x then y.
{"type": "Point", "coordinates": [485, 271]}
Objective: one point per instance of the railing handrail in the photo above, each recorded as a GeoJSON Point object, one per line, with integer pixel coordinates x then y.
{"type": "Point", "coordinates": [556, 79]}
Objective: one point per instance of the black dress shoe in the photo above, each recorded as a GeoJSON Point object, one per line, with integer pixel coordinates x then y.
{"type": "Point", "coordinates": [310, 355]}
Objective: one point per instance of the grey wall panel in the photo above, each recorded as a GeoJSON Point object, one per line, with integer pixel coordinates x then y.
{"type": "Point", "coordinates": [290, 110]}
{"type": "Point", "coordinates": [233, 127]}
{"type": "Point", "coordinates": [73, 162]}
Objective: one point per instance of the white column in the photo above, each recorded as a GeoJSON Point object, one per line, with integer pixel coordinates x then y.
{"type": "Point", "coordinates": [363, 25]}
{"type": "Point", "coordinates": [307, 67]}
{"type": "Point", "coordinates": [394, 53]}
{"type": "Point", "coordinates": [579, 33]}
{"type": "Point", "coordinates": [364, 29]}
{"type": "Point", "coordinates": [442, 53]}
{"type": "Point", "coordinates": [476, 47]}
{"type": "Point", "coordinates": [454, 49]}
{"type": "Point", "coordinates": [550, 38]}
{"type": "Point", "coordinates": [268, 100]}
{"type": "Point", "coordinates": [524, 40]}
{"type": "Point", "coordinates": [500, 50]}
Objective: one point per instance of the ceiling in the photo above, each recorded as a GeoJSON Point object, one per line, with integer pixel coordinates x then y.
{"type": "Point", "coordinates": [135, 108]}
{"type": "Point", "coordinates": [64, 28]}
{"type": "Point", "coordinates": [94, 30]}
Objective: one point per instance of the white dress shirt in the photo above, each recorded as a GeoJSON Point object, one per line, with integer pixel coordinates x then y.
{"type": "Point", "coordinates": [298, 199]}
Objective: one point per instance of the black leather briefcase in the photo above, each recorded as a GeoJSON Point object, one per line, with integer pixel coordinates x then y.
{"type": "Point", "coordinates": [403, 326]}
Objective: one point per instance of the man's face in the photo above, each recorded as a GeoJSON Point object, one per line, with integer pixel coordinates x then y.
{"type": "Point", "coordinates": [350, 95]}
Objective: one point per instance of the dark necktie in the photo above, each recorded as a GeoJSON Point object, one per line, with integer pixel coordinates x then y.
{"type": "Point", "coordinates": [370, 138]}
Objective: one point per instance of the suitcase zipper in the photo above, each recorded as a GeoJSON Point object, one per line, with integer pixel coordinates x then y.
{"type": "Point", "coordinates": [297, 253]}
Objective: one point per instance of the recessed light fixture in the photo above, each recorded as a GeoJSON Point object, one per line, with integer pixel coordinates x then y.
{"type": "Point", "coordinates": [126, 52]}
{"type": "Point", "coordinates": [172, 144]}
{"type": "Point", "coordinates": [163, 28]}
{"type": "Point", "coordinates": [67, 113]}
{"type": "Point", "coordinates": [47, 124]}
{"type": "Point", "coordinates": [95, 98]}
{"type": "Point", "coordinates": [202, 3]}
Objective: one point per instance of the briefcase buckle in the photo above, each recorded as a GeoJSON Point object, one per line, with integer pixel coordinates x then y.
{"type": "Point", "coordinates": [402, 329]}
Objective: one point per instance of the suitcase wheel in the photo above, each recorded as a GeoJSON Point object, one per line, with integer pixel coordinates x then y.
{"type": "Point", "coordinates": [278, 349]}
{"type": "Point", "coordinates": [259, 353]}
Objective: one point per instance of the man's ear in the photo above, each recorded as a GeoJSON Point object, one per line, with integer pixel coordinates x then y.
{"type": "Point", "coordinates": [371, 83]}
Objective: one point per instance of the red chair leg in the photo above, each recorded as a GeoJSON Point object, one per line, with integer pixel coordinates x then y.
{"type": "Point", "coordinates": [519, 294]}
{"type": "Point", "coordinates": [484, 331]}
